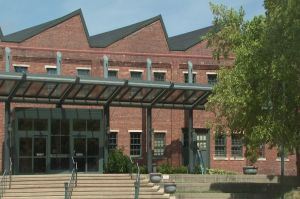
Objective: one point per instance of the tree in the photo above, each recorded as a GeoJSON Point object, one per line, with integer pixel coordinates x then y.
{"type": "Point", "coordinates": [260, 94]}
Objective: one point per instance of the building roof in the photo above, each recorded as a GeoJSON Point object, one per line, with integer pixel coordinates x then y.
{"type": "Point", "coordinates": [107, 38]}
{"type": "Point", "coordinates": [177, 43]}
{"type": "Point", "coordinates": [27, 33]}
{"type": "Point", "coordinates": [187, 40]}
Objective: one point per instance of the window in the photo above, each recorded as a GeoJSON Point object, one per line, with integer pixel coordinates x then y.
{"type": "Point", "coordinates": [159, 76]}
{"type": "Point", "coordinates": [136, 75]}
{"type": "Point", "coordinates": [236, 146]}
{"type": "Point", "coordinates": [113, 74]}
{"type": "Point", "coordinates": [186, 78]}
{"type": "Point", "coordinates": [262, 151]}
{"type": "Point", "coordinates": [159, 144]}
{"type": "Point", "coordinates": [83, 72]}
{"type": "Point", "coordinates": [21, 69]}
{"type": "Point", "coordinates": [212, 79]}
{"type": "Point", "coordinates": [220, 146]}
{"type": "Point", "coordinates": [112, 141]}
{"type": "Point", "coordinates": [135, 144]}
{"type": "Point", "coordinates": [51, 71]}
{"type": "Point", "coordinates": [285, 152]}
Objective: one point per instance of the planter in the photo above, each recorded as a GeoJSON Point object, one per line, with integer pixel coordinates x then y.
{"type": "Point", "coordinates": [155, 177]}
{"type": "Point", "coordinates": [250, 170]}
{"type": "Point", "coordinates": [170, 187]}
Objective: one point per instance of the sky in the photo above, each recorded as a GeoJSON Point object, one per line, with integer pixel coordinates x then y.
{"type": "Point", "coordinates": [179, 16]}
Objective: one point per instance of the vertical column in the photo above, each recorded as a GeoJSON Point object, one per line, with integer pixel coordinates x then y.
{"type": "Point", "coordinates": [282, 160]}
{"type": "Point", "coordinates": [7, 137]}
{"type": "Point", "coordinates": [58, 62]}
{"type": "Point", "coordinates": [149, 123]}
{"type": "Point", "coordinates": [104, 140]}
{"type": "Point", "coordinates": [105, 66]}
{"type": "Point", "coordinates": [7, 59]}
{"type": "Point", "coordinates": [190, 123]}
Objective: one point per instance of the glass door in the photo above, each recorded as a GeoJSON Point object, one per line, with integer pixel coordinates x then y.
{"type": "Point", "coordinates": [86, 151]}
{"type": "Point", "coordinates": [39, 154]}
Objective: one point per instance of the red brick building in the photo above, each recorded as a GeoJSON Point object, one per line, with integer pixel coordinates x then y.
{"type": "Point", "coordinates": [33, 50]}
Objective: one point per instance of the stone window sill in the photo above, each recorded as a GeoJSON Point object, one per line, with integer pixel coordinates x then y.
{"type": "Point", "coordinates": [237, 158]}
{"type": "Point", "coordinates": [285, 159]}
{"type": "Point", "coordinates": [261, 159]}
{"type": "Point", "coordinates": [220, 158]}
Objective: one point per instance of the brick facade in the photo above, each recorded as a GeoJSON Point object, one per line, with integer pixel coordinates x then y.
{"type": "Point", "coordinates": [150, 40]}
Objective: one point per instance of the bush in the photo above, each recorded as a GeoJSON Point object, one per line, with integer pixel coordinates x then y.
{"type": "Point", "coordinates": [118, 162]}
{"type": "Point", "coordinates": [168, 169]}
{"type": "Point", "coordinates": [220, 172]}
{"type": "Point", "coordinates": [143, 169]}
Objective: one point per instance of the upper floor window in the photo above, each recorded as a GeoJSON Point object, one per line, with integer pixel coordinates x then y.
{"type": "Point", "coordinates": [236, 146]}
{"type": "Point", "coordinates": [186, 78]}
{"type": "Point", "coordinates": [135, 144]}
{"type": "Point", "coordinates": [212, 79]}
{"type": "Point", "coordinates": [135, 75]}
{"type": "Point", "coordinates": [51, 71]}
{"type": "Point", "coordinates": [112, 74]}
{"type": "Point", "coordinates": [21, 69]}
{"type": "Point", "coordinates": [159, 76]}
{"type": "Point", "coordinates": [83, 71]}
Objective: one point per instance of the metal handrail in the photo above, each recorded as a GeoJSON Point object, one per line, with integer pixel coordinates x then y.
{"type": "Point", "coordinates": [72, 182]}
{"type": "Point", "coordinates": [5, 182]}
{"type": "Point", "coordinates": [137, 182]}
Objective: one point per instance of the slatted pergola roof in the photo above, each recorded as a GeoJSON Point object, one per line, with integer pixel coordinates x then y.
{"type": "Point", "coordinates": [86, 90]}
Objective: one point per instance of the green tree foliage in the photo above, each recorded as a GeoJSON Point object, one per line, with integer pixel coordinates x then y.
{"type": "Point", "coordinates": [260, 95]}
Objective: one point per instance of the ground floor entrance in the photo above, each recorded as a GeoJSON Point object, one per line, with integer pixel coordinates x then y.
{"type": "Point", "coordinates": [47, 140]}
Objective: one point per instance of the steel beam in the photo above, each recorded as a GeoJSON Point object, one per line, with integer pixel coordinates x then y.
{"type": "Point", "coordinates": [15, 89]}
{"type": "Point", "coordinates": [68, 91]}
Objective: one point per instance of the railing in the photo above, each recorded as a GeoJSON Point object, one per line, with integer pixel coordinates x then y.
{"type": "Point", "coordinates": [137, 182]}
{"type": "Point", "coordinates": [201, 162]}
{"type": "Point", "coordinates": [72, 182]}
{"type": "Point", "coordinates": [6, 179]}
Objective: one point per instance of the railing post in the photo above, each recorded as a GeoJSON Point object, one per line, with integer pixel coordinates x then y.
{"type": "Point", "coordinates": [75, 174]}
{"type": "Point", "coordinates": [66, 190]}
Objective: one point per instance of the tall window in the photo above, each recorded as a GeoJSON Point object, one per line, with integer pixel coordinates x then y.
{"type": "Point", "coordinates": [186, 78]}
{"type": "Point", "coordinates": [83, 72]}
{"type": "Point", "coordinates": [159, 76]}
{"type": "Point", "coordinates": [112, 141]}
{"type": "Point", "coordinates": [262, 151]}
{"type": "Point", "coordinates": [212, 79]}
{"type": "Point", "coordinates": [159, 144]}
{"type": "Point", "coordinates": [135, 144]}
{"type": "Point", "coordinates": [236, 146]}
{"type": "Point", "coordinates": [21, 69]}
{"type": "Point", "coordinates": [220, 146]}
{"type": "Point", "coordinates": [113, 74]}
{"type": "Point", "coordinates": [51, 71]}
{"type": "Point", "coordinates": [136, 75]}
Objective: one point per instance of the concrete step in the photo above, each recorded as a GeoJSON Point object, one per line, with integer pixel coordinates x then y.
{"type": "Point", "coordinates": [94, 197]}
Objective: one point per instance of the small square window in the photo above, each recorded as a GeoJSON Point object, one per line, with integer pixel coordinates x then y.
{"type": "Point", "coordinates": [212, 79]}
{"type": "Point", "coordinates": [83, 72]}
{"type": "Point", "coordinates": [113, 74]}
{"type": "Point", "coordinates": [159, 76]}
{"type": "Point", "coordinates": [52, 71]}
{"type": "Point", "coordinates": [21, 69]}
{"type": "Point", "coordinates": [135, 75]}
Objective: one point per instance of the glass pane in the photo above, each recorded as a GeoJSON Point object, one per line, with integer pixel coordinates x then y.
{"type": "Point", "coordinates": [74, 91]}
{"type": "Point", "coordinates": [79, 147]}
{"type": "Point", "coordinates": [93, 125]}
{"type": "Point", "coordinates": [97, 90]}
{"type": "Point", "coordinates": [21, 69]}
{"type": "Point", "coordinates": [92, 164]}
{"type": "Point", "coordinates": [7, 87]}
{"type": "Point", "coordinates": [60, 163]}
{"type": "Point", "coordinates": [34, 88]}
{"type": "Point", "coordinates": [80, 164]}
{"type": "Point", "coordinates": [39, 165]}
{"type": "Point", "coordinates": [25, 124]}
{"type": "Point", "coordinates": [135, 75]}
{"type": "Point", "coordinates": [108, 92]}
{"type": "Point", "coordinates": [55, 127]}
{"type": "Point", "coordinates": [153, 94]}
{"type": "Point", "coordinates": [25, 148]}
{"type": "Point", "coordinates": [83, 72]}
{"type": "Point", "coordinates": [84, 91]}
{"type": "Point", "coordinates": [142, 94]}
{"type": "Point", "coordinates": [22, 89]}
{"type": "Point", "coordinates": [194, 97]}
{"type": "Point", "coordinates": [59, 90]}
{"type": "Point", "coordinates": [159, 76]}
{"type": "Point", "coordinates": [25, 165]}
{"type": "Point", "coordinates": [93, 146]}
{"type": "Point", "coordinates": [113, 74]}
{"type": "Point", "coordinates": [55, 145]}
{"type": "Point", "coordinates": [65, 144]}
{"type": "Point", "coordinates": [40, 124]}
{"type": "Point", "coordinates": [79, 125]}
{"type": "Point", "coordinates": [52, 71]}
{"type": "Point", "coordinates": [39, 147]}
{"type": "Point", "coordinates": [65, 127]}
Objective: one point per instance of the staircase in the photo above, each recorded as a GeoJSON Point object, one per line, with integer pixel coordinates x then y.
{"type": "Point", "coordinates": [90, 186]}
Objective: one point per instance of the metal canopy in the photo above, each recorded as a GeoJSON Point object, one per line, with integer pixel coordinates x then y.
{"type": "Point", "coordinates": [85, 90]}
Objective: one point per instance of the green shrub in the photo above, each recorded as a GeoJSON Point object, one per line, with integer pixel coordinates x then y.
{"type": "Point", "coordinates": [118, 162]}
{"type": "Point", "coordinates": [180, 169]}
{"type": "Point", "coordinates": [143, 169]}
{"type": "Point", "coordinates": [168, 169]}
{"type": "Point", "coordinates": [220, 172]}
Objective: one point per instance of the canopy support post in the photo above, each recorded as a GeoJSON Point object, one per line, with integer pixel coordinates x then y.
{"type": "Point", "coordinates": [190, 123]}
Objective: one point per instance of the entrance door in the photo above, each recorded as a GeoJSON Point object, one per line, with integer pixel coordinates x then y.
{"type": "Point", "coordinates": [32, 154]}
{"type": "Point", "coordinates": [86, 151]}
{"type": "Point", "coordinates": [202, 143]}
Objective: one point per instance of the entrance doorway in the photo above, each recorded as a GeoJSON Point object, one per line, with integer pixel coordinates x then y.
{"type": "Point", "coordinates": [46, 139]}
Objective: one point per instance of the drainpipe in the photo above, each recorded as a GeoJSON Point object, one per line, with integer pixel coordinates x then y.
{"type": "Point", "coordinates": [190, 123]}
{"type": "Point", "coordinates": [7, 59]}
{"type": "Point", "coordinates": [105, 66]}
{"type": "Point", "coordinates": [149, 123]}
{"type": "Point", "coordinates": [58, 62]}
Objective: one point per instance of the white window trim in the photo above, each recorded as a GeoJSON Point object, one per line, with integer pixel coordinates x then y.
{"type": "Point", "coordinates": [162, 131]}
{"type": "Point", "coordinates": [114, 131]}
{"type": "Point", "coordinates": [136, 70]}
{"type": "Point", "coordinates": [186, 72]}
{"type": "Point", "coordinates": [21, 65]}
{"type": "Point", "coordinates": [261, 159]}
{"type": "Point", "coordinates": [135, 131]}
{"type": "Point", "coordinates": [50, 66]}
{"type": "Point", "coordinates": [83, 68]}
{"type": "Point", "coordinates": [113, 69]}
{"type": "Point", "coordinates": [237, 158]}
{"type": "Point", "coordinates": [219, 158]}
{"type": "Point", "coordinates": [211, 73]}
{"type": "Point", "coordinates": [159, 71]}
{"type": "Point", "coordinates": [285, 159]}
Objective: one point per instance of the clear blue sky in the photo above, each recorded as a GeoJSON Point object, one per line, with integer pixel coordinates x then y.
{"type": "Point", "coordinates": [179, 16]}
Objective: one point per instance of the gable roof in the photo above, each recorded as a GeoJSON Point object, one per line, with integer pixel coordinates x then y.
{"type": "Point", "coordinates": [27, 33]}
{"type": "Point", "coordinates": [107, 38]}
{"type": "Point", "coordinates": [187, 40]}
